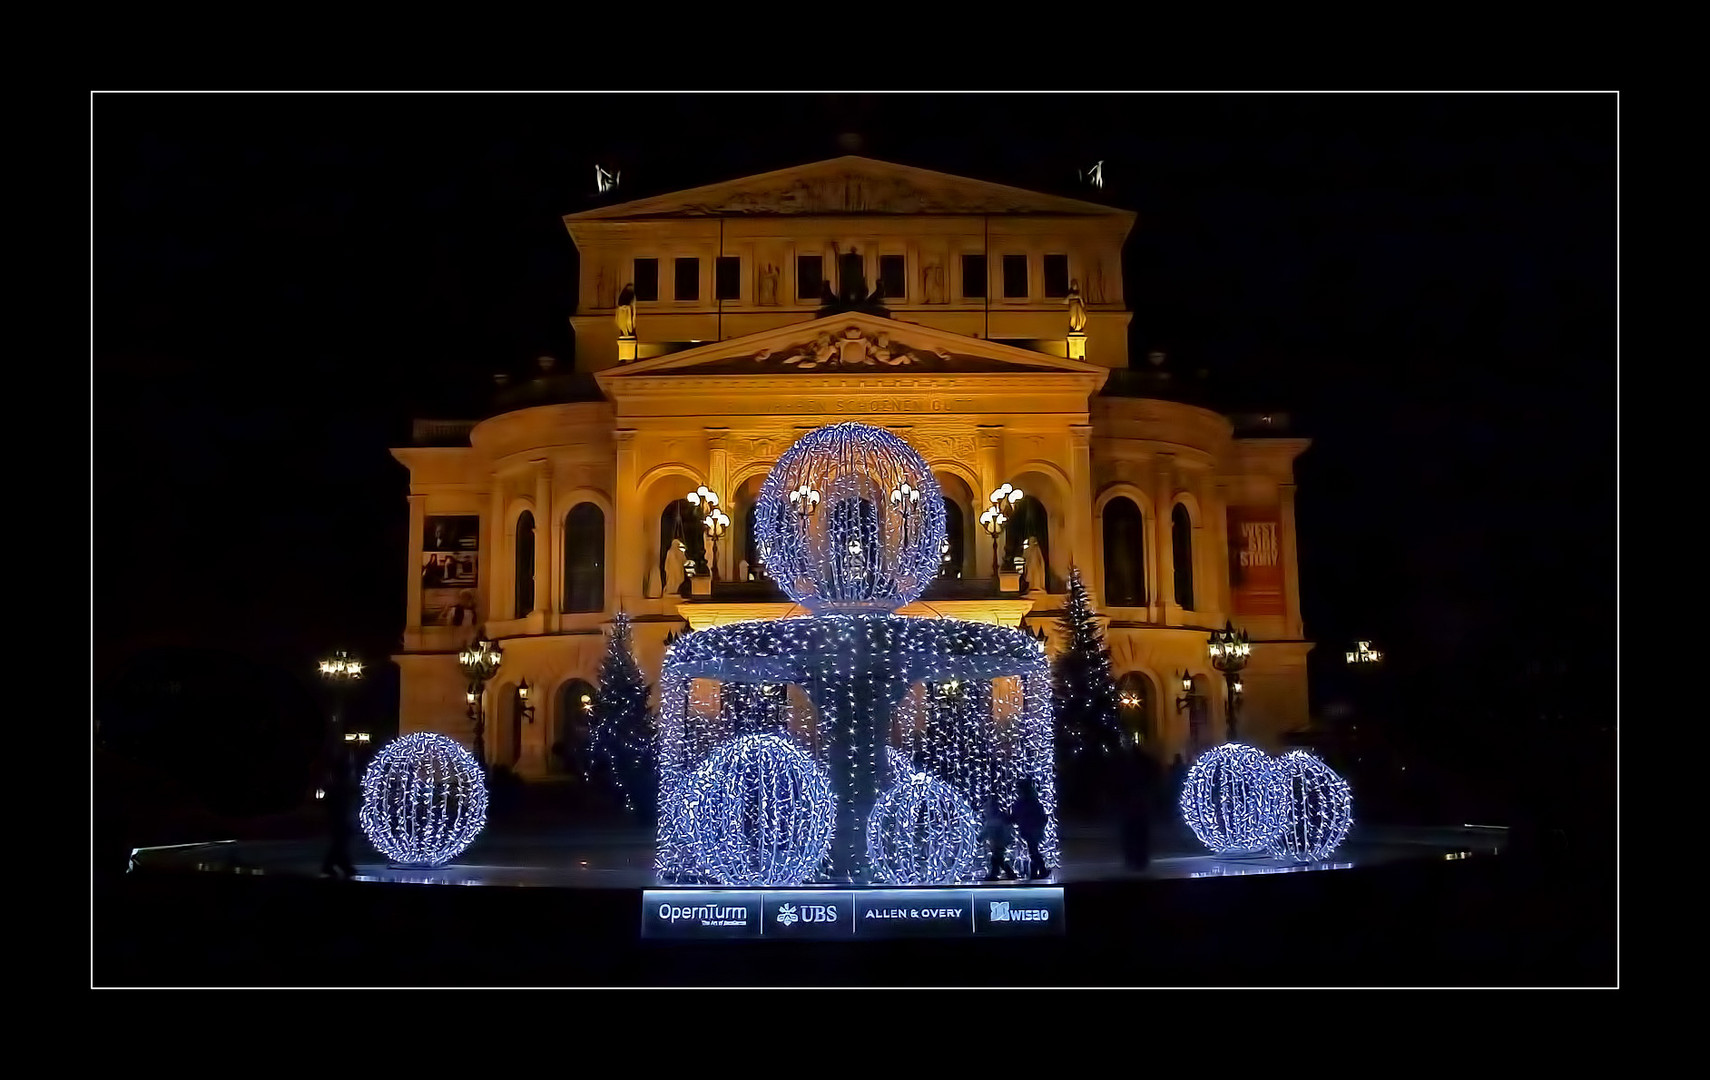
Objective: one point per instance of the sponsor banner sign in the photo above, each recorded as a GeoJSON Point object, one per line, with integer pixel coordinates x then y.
{"type": "Point", "coordinates": [707, 914]}
{"type": "Point", "coordinates": [1255, 561]}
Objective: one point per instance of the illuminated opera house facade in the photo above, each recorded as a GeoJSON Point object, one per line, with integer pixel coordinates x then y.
{"type": "Point", "coordinates": [985, 325]}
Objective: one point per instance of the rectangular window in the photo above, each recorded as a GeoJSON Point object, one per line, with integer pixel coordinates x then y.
{"type": "Point", "coordinates": [974, 276]}
{"type": "Point", "coordinates": [728, 272]}
{"type": "Point", "coordinates": [810, 276]}
{"type": "Point", "coordinates": [1015, 277]}
{"type": "Point", "coordinates": [688, 279]}
{"type": "Point", "coordinates": [1056, 276]}
{"type": "Point", "coordinates": [647, 279]}
{"type": "Point", "coordinates": [892, 271]}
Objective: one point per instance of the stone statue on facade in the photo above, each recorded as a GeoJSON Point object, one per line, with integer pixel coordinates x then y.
{"type": "Point", "coordinates": [625, 313]}
{"type": "Point", "coordinates": [935, 283]}
{"type": "Point", "coordinates": [675, 575]}
{"type": "Point", "coordinates": [1077, 309]}
{"type": "Point", "coordinates": [769, 286]}
{"type": "Point", "coordinates": [1034, 563]}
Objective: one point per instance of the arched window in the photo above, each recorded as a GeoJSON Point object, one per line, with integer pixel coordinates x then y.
{"type": "Point", "coordinates": [573, 712]}
{"type": "Point", "coordinates": [1135, 707]}
{"type": "Point", "coordinates": [1027, 521]}
{"type": "Point", "coordinates": [524, 576]}
{"type": "Point", "coordinates": [952, 567]}
{"type": "Point", "coordinates": [585, 558]}
{"type": "Point", "coordinates": [681, 522]}
{"type": "Point", "coordinates": [1124, 553]}
{"type": "Point", "coordinates": [1181, 548]}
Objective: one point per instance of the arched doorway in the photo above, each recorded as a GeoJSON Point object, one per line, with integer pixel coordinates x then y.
{"type": "Point", "coordinates": [571, 715]}
{"type": "Point", "coordinates": [1124, 553]}
{"type": "Point", "coordinates": [1136, 708]}
{"type": "Point", "coordinates": [953, 540]}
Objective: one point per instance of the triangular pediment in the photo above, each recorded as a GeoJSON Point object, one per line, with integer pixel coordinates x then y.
{"type": "Point", "coordinates": [847, 185]}
{"type": "Point", "coordinates": [851, 344]}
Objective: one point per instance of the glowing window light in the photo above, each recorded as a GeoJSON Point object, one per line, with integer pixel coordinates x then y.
{"type": "Point", "coordinates": [1230, 799]}
{"type": "Point", "coordinates": [921, 833]}
{"type": "Point", "coordinates": [1315, 809]}
{"type": "Point", "coordinates": [423, 800]}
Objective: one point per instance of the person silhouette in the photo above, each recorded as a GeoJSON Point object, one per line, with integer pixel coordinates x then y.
{"type": "Point", "coordinates": [994, 834]}
{"type": "Point", "coordinates": [339, 798]}
{"type": "Point", "coordinates": [1028, 814]}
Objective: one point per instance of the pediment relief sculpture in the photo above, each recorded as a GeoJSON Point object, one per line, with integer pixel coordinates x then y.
{"type": "Point", "coordinates": [854, 193]}
{"type": "Point", "coordinates": [852, 348]}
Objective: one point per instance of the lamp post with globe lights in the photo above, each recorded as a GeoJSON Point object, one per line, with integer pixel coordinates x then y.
{"type": "Point", "coordinates": [993, 518]}
{"type": "Point", "coordinates": [340, 672]}
{"type": "Point", "coordinates": [716, 522]}
{"type": "Point", "coordinates": [1229, 650]}
{"type": "Point", "coordinates": [905, 500]}
{"type": "Point", "coordinates": [480, 662]}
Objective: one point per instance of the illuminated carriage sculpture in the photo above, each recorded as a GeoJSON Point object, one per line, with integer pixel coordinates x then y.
{"type": "Point", "coordinates": [850, 744]}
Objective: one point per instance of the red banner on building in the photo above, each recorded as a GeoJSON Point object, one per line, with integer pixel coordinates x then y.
{"type": "Point", "coordinates": [1255, 561]}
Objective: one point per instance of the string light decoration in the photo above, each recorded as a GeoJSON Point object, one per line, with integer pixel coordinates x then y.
{"type": "Point", "coordinates": [836, 544]}
{"type": "Point", "coordinates": [1084, 697]}
{"type": "Point", "coordinates": [423, 800]}
{"type": "Point", "coordinates": [1231, 799]}
{"type": "Point", "coordinates": [858, 677]}
{"type": "Point", "coordinates": [922, 833]}
{"type": "Point", "coordinates": [852, 548]}
{"type": "Point", "coordinates": [759, 812]}
{"type": "Point", "coordinates": [1315, 809]}
{"type": "Point", "coordinates": [621, 740]}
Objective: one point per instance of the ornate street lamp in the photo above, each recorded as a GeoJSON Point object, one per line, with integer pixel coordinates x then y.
{"type": "Point", "coordinates": [1229, 650]}
{"type": "Point", "coordinates": [804, 501]}
{"type": "Point", "coordinates": [905, 500]}
{"type": "Point", "coordinates": [1364, 654]}
{"type": "Point", "coordinates": [716, 521]}
{"type": "Point", "coordinates": [480, 661]}
{"type": "Point", "coordinates": [525, 704]}
{"type": "Point", "coordinates": [340, 671]}
{"type": "Point", "coordinates": [992, 520]}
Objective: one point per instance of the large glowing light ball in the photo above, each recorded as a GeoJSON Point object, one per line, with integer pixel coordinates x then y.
{"type": "Point", "coordinates": [921, 833]}
{"type": "Point", "coordinates": [759, 811]}
{"type": "Point", "coordinates": [423, 800]}
{"type": "Point", "coordinates": [1231, 798]}
{"type": "Point", "coordinates": [850, 519]}
{"type": "Point", "coordinates": [1315, 811]}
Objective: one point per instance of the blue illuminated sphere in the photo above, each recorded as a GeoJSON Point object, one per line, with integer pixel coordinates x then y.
{"type": "Point", "coordinates": [423, 800]}
{"type": "Point", "coordinates": [1315, 810]}
{"type": "Point", "coordinates": [759, 812]}
{"type": "Point", "coordinates": [1231, 799]}
{"type": "Point", "coordinates": [852, 539]}
{"type": "Point", "coordinates": [921, 833]}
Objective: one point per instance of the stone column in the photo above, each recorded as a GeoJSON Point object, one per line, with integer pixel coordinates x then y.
{"type": "Point", "coordinates": [1218, 515]}
{"type": "Point", "coordinates": [495, 572]}
{"type": "Point", "coordinates": [1163, 500]}
{"type": "Point", "coordinates": [990, 441]}
{"type": "Point", "coordinates": [629, 558]}
{"type": "Point", "coordinates": [1294, 628]}
{"type": "Point", "coordinates": [1080, 509]}
{"type": "Point", "coordinates": [543, 548]}
{"type": "Point", "coordinates": [718, 476]}
{"type": "Point", "coordinates": [413, 594]}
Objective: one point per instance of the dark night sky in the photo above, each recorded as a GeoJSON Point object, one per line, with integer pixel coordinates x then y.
{"type": "Point", "coordinates": [1426, 282]}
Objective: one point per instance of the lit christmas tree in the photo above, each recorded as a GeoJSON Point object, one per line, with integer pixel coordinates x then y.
{"type": "Point", "coordinates": [622, 737]}
{"type": "Point", "coordinates": [1089, 735]}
